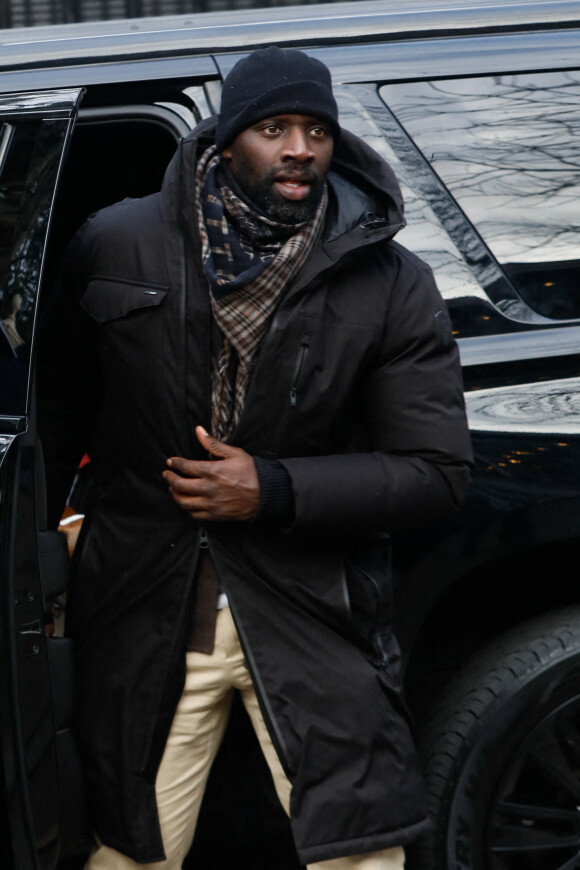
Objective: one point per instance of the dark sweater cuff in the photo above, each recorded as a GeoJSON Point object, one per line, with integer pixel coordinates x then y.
{"type": "Point", "coordinates": [276, 495]}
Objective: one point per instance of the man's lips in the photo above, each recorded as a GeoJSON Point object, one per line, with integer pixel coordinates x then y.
{"type": "Point", "coordinates": [293, 187]}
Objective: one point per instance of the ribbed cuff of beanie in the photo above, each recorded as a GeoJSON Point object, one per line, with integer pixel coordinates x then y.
{"type": "Point", "coordinates": [276, 495]}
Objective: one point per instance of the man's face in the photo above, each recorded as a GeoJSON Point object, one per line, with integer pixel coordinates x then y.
{"type": "Point", "coordinates": [281, 163]}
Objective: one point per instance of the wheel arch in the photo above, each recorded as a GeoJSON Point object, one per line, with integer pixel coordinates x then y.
{"type": "Point", "coordinates": [500, 750]}
{"type": "Point", "coordinates": [472, 608]}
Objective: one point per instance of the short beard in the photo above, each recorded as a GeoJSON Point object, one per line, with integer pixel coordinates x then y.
{"type": "Point", "coordinates": [279, 209]}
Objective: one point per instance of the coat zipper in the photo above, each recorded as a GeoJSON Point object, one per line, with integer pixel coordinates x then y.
{"type": "Point", "coordinates": [305, 344]}
{"type": "Point", "coordinates": [145, 755]}
{"type": "Point", "coordinates": [267, 712]}
{"type": "Point", "coordinates": [378, 639]}
{"type": "Point", "coordinates": [265, 707]}
{"type": "Point", "coordinates": [380, 647]}
{"type": "Point", "coordinates": [304, 348]}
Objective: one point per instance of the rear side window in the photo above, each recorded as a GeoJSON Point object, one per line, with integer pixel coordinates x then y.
{"type": "Point", "coordinates": [508, 150]}
{"type": "Point", "coordinates": [363, 113]}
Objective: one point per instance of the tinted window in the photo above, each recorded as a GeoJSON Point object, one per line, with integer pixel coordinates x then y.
{"type": "Point", "coordinates": [362, 112]}
{"type": "Point", "coordinates": [29, 158]}
{"type": "Point", "coordinates": [508, 149]}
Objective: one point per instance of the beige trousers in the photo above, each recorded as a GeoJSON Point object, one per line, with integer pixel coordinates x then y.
{"type": "Point", "coordinates": [196, 733]}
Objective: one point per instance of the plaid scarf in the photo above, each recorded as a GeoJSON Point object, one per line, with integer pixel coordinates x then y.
{"type": "Point", "coordinates": [248, 260]}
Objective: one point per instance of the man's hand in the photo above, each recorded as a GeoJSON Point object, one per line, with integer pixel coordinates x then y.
{"type": "Point", "coordinates": [226, 489]}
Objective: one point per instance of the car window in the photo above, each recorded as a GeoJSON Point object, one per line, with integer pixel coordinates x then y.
{"type": "Point", "coordinates": [363, 113]}
{"type": "Point", "coordinates": [507, 148]}
{"type": "Point", "coordinates": [30, 152]}
{"type": "Point", "coordinates": [16, 183]}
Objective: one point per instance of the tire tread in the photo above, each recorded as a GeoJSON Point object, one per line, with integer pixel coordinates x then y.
{"type": "Point", "coordinates": [471, 697]}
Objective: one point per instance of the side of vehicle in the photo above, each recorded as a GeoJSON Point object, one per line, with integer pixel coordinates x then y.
{"type": "Point", "coordinates": [478, 111]}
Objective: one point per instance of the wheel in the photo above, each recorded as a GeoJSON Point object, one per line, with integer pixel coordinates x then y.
{"type": "Point", "coordinates": [502, 756]}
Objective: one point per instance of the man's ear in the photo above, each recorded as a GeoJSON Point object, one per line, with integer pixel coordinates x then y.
{"type": "Point", "coordinates": [227, 153]}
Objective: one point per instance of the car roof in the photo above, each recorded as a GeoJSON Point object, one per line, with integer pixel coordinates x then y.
{"type": "Point", "coordinates": [315, 24]}
{"type": "Point", "coordinates": [423, 36]}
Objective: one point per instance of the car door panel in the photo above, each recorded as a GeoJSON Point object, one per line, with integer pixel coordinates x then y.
{"type": "Point", "coordinates": [38, 759]}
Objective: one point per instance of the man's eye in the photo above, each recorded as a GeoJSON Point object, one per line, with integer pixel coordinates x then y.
{"type": "Point", "coordinates": [318, 132]}
{"type": "Point", "coordinates": [271, 130]}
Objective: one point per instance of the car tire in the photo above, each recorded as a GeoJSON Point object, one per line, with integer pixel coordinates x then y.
{"type": "Point", "coordinates": [501, 755]}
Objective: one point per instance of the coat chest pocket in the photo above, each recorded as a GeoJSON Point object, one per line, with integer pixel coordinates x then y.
{"type": "Point", "coordinates": [107, 299]}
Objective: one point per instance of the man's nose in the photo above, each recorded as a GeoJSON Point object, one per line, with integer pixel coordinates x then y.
{"type": "Point", "coordinates": [297, 145]}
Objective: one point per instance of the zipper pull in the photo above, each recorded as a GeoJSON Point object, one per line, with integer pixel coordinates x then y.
{"type": "Point", "coordinates": [305, 344]}
{"type": "Point", "coordinates": [372, 221]}
{"type": "Point", "coordinates": [203, 539]}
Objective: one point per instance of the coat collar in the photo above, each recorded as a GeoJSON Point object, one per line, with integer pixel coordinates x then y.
{"type": "Point", "coordinates": [366, 204]}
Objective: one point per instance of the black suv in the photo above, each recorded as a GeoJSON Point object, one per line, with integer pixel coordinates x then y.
{"type": "Point", "coordinates": [477, 107]}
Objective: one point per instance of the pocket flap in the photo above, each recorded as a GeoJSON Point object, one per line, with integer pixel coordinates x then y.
{"type": "Point", "coordinates": [108, 298]}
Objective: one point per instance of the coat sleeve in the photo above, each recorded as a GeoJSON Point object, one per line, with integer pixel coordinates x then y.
{"type": "Point", "coordinates": [419, 456]}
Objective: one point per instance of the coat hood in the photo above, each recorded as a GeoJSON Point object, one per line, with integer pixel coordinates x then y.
{"type": "Point", "coordinates": [365, 202]}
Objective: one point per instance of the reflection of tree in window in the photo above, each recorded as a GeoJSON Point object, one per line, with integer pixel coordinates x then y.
{"type": "Point", "coordinates": [26, 258]}
{"type": "Point", "coordinates": [508, 148]}
{"type": "Point", "coordinates": [27, 179]}
{"type": "Point", "coordinates": [14, 202]}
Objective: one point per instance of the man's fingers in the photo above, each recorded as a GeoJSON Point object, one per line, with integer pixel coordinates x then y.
{"type": "Point", "coordinates": [213, 446]}
{"type": "Point", "coordinates": [209, 490]}
{"type": "Point", "coordinates": [187, 467]}
{"type": "Point", "coordinates": [203, 468]}
{"type": "Point", "coordinates": [188, 486]}
{"type": "Point", "coordinates": [193, 495]}
{"type": "Point", "coordinates": [199, 507]}
{"type": "Point", "coordinates": [191, 468]}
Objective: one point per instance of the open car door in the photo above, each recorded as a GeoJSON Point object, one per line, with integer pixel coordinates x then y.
{"type": "Point", "coordinates": [40, 783]}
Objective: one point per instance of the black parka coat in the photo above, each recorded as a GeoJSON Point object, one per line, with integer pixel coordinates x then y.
{"type": "Point", "coordinates": [357, 390]}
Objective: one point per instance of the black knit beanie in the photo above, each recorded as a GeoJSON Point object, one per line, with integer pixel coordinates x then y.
{"type": "Point", "coordinates": [275, 81]}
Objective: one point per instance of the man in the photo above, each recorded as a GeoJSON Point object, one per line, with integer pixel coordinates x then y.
{"type": "Point", "coordinates": [267, 385]}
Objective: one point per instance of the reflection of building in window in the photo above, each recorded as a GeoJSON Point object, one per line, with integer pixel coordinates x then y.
{"type": "Point", "coordinates": [507, 149]}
